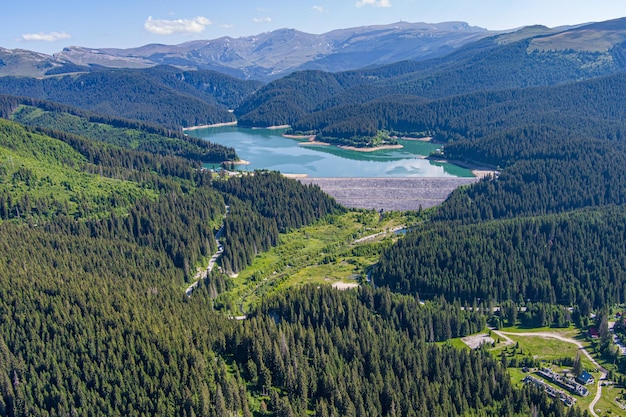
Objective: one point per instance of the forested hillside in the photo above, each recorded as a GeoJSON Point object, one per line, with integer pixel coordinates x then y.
{"type": "Point", "coordinates": [365, 353]}
{"type": "Point", "coordinates": [570, 259]}
{"type": "Point", "coordinates": [100, 234]}
{"type": "Point", "coordinates": [274, 205]}
{"type": "Point", "coordinates": [160, 95]}
{"type": "Point", "coordinates": [560, 152]}
{"type": "Point", "coordinates": [54, 118]}
{"type": "Point", "coordinates": [592, 108]}
{"type": "Point", "coordinates": [106, 220]}
{"type": "Point", "coordinates": [564, 245]}
{"type": "Point", "coordinates": [500, 62]}
{"type": "Point", "coordinates": [287, 99]}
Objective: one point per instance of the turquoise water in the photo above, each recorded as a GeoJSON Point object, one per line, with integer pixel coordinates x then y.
{"type": "Point", "coordinates": [267, 149]}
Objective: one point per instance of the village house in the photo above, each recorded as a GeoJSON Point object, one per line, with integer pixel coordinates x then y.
{"type": "Point", "coordinates": [585, 378]}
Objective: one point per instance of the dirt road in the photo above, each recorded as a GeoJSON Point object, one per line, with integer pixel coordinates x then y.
{"type": "Point", "coordinates": [203, 273]}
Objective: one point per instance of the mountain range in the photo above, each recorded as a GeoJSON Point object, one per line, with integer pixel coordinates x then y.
{"type": "Point", "coordinates": [533, 56]}
{"type": "Point", "coordinates": [163, 85]}
{"type": "Point", "coordinates": [265, 56]}
{"type": "Point", "coordinates": [272, 55]}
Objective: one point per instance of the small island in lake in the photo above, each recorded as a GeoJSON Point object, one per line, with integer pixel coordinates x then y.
{"type": "Point", "coordinates": [381, 141]}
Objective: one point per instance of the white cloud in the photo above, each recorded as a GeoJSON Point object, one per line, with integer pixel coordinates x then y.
{"type": "Point", "coordinates": [45, 37]}
{"type": "Point", "coordinates": [266, 19]}
{"type": "Point", "coordinates": [319, 9]}
{"type": "Point", "coordinates": [375, 3]}
{"type": "Point", "coordinates": [169, 27]}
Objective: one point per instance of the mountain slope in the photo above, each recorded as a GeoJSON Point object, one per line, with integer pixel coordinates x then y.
{"type": "Point", "coordinates": [277, 53]}
{"type": "Point", "coordinates": [590, 107]}
{"type": "Point", "coordinates": [20, 62]}
{"type": "Point", "coordinates": [499, 62]}
{"type": "Point", "coordinates": [161, 95]}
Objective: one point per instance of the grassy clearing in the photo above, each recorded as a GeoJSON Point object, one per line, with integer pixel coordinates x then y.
{"type": "Point", "coordinates": [571, 331]}
{"type": "Point", "coordinates": [608, 405]}
{"type": "Point", "coordinates": [549, 352]}
{"type": "Point", "coordinates": [333, 250]}
{"type": "Point", "coordinates": [456, 343]}
{"type": "Point", "coordinates": [546, 350]}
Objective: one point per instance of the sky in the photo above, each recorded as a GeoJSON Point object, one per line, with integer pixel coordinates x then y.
{"type": "Point", "coordinates": [50, 25]}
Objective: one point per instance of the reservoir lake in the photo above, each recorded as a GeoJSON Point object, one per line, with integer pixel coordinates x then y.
{"type": "Point", "coordinates": [268, 149]}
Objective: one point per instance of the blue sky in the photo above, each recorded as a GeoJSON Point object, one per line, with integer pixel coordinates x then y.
{"type": "Point", "coordinates": [49, 25]}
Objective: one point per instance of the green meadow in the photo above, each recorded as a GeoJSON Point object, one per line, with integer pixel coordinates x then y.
{"type": "Point", "coordinates": [331, 251]}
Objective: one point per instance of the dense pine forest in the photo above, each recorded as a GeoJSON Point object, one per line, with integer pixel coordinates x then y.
{"type": "Point", "coordinates": [549, 227]}
{"type": "Point", "coordinates": [99, 240]}
{"type": "Point", "coordinates": [162, 95]}
{"type": "Point", "coordinates": [566, 259]}
{"type": "Point", "coordinates": [107, 215]}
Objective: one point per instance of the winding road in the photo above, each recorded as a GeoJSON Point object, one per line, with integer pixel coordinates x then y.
{"type": "Point", "coordinates": [557, 336]}
{"type": "Point", "coordinates": [203, 273]}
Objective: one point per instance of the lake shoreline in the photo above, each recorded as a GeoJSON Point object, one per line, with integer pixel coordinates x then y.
{"type": "Point", "coordinates": [302, 154]}
{"type": "Point", "coordinates": [479, 171]}
{"type": "Point", "coordinates": [239, 162]}
{"type": "Point", "coordinates": [424, 139]}
{"type": "Point", "coordinates": [310, 138]}
{"type": "Point", "coordinates": [210, 126]}
{"type": "Point", "coordinates": [277, 127]}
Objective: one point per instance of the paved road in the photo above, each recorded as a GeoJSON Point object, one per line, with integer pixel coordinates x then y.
{"type": "Point", "coordinates": [557, 336]}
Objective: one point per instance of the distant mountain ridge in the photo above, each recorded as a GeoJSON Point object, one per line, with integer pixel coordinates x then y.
{"type": "Point", "coordinates": [274, 54]}
{"type": "Point", "coordinates": [503, 61]}
{"type": "Point", "coordinates": [330, 102]}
